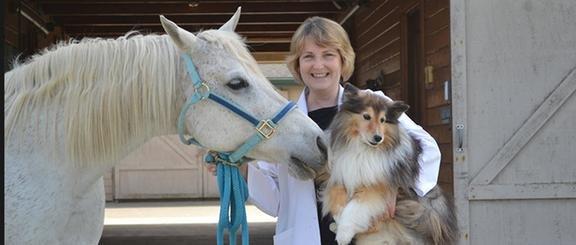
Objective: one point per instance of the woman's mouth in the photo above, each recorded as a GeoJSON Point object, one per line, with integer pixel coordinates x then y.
{"type": "Point", "coordinates": [319, 75]}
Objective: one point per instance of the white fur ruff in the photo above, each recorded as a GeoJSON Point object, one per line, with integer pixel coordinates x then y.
{"type": "Point", "coordinates": [360, 164]}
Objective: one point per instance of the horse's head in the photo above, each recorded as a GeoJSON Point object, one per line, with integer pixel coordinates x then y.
{"type": "Point", "coordinates": [227, 68]}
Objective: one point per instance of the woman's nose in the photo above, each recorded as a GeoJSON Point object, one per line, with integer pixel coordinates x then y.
{"type": "Point", "coordinates": [318, 64]}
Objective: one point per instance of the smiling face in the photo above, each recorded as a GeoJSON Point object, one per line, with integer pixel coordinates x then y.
{"type": "Point", "coordinates": [320, 67]}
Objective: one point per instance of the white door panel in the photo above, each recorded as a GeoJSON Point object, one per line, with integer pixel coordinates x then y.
{"type": "Point", "coordinates": [514, 110]}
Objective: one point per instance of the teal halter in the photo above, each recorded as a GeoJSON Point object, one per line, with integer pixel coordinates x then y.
{"type": "Point", "coordinates": [231, 184]}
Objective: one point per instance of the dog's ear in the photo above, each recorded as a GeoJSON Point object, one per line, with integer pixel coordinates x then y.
{"type": "Point", "coordinates": [350, 91]}
{"type": "Point", "coordinates": [395, 110]}
{"type": "Point", "coordinates": [351, 100]}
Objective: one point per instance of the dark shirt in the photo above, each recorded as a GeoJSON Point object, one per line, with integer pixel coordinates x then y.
{"type": "Point", "coordinates": [323, 117]}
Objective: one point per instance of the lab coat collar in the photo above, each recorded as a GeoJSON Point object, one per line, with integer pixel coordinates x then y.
{"type": "Point", "coordinates": [303, 106]}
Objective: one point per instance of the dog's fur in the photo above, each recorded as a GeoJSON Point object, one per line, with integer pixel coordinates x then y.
{"type": "Point", "coordinates": [373, 169]}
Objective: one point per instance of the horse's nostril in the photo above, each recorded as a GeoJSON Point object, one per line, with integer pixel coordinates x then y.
{"type": "Point", "coordinates": [322, 146]}
{"type": "Point", "coordinates": [377, 138]}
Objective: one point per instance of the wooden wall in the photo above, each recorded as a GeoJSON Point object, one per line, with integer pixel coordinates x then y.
{"type": "Point", "coordinates": [378, 32]}
{"type": "Point", "coordinates": [22, 36]}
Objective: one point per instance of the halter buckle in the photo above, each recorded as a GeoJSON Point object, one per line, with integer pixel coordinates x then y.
{"type": "Point", "coordinates": [265, 128]}
{"type": "Point", "coordinates": [203, 90]}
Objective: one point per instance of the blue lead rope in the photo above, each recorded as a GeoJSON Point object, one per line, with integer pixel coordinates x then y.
{"type": "Point", "coordinates": [233, 196]}
{"type": "Point", "coordinates": [232, 186]}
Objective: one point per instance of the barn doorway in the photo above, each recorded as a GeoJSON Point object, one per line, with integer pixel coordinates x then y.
{"type": "Point", "coordinates": [413, 41]}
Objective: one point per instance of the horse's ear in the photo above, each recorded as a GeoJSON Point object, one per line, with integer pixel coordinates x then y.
{"type": "Point", "coordinates": [182, 38]}
{"type": "Point", "coordinates": [231, 24]}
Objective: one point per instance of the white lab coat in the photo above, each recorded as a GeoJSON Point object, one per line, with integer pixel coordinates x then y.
{"type": "Point", "coordinates": [274, 191]}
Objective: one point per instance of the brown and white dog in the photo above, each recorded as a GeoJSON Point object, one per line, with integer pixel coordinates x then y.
{"type": "Point", "coordinates": [373, 169]}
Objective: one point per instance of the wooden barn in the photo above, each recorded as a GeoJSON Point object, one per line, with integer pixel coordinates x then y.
{"type": "Point", "coordinates": [492, 80]}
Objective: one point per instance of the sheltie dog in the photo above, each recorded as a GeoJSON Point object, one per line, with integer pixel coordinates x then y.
{"type": "Point", "coordinates": [372, 172]}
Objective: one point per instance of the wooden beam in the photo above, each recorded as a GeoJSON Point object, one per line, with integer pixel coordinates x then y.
{"type": "Point", "coordinates": [270, 57]}
{"type": "Point", "coordinates": [347, 13]}
{"type": "Point", "coordinates": [522, 191]}
{"type": "Point", "coordinates": [268, 47]}
{"type": "Point", "coordinates": [263, 35]}
{"type": "Point", "coordinates": [34, 16]}
{"type": "Point", "coordinates": [66, 7]}
{"type": "Point", "coordinates": [264, 19]}
{"type": "Point", "coordinates": [284, 39]}
{"type": "Point", "coordinates": [254, 39]}
{"type": "Point", "coordinates": [458, 14]}
{"type": "Point", "coordinates": [245, 30]}
{"type": "Point", "coordinates": [173, 1]}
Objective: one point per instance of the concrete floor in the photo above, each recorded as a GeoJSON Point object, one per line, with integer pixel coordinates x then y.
{"type": "Point", "coordinates": [175, 223]}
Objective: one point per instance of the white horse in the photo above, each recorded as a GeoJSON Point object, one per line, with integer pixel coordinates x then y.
{"type": "Point", "coordinates": [73, 111]}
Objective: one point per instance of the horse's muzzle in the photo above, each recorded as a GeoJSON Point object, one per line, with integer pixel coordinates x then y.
{"type": "Point", "coordinates": [307, 168]}
{"type": "Point", "coordinates": [322, 147]}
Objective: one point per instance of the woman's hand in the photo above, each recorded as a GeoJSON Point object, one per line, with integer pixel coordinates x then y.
{"type": "Point", "coordinates": [212, 169]}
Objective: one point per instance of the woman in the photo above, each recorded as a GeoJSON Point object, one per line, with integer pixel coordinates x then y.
{"type": "Point", "coordinates": [320, 57]}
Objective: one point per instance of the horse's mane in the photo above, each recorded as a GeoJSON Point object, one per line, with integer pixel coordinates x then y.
{"type": "Point", "coordinates": [109, 91]}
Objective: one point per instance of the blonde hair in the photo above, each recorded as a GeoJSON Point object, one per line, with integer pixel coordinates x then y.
{"type": "Point", "coordinates": [325, 33]}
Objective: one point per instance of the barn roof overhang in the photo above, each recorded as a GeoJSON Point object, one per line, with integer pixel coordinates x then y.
{"type": "Point", "coordinates": [266, 25]}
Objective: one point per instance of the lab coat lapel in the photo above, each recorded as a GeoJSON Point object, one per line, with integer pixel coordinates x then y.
{"type": "Point", "coordinates": [302, 99]}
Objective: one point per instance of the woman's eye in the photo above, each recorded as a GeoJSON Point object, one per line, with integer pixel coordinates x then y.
{"type": "Point", "coordinates": [367, 117]}
{"type": "Point", "coordinates": [237, 84]}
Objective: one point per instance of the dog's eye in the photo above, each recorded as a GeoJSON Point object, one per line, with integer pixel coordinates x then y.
{"type": "Point", "coordinates": [382, 120]}
{"type": "Point", "coordinates": [237, 83]}
{"type": "Point", "coordinates": [366, 117]}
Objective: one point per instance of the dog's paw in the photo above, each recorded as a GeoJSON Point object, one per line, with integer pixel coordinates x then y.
{"type": "Point", "coordinates": [344, 235]}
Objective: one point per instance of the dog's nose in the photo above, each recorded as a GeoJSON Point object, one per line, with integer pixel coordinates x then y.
{"type": "Point", "coordinates": [377, 138]}
{"type": "Point", "coordinates": [322, 147]}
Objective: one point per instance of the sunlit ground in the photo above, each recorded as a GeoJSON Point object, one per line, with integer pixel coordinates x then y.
{"type": "Point", "coordinates": [180, 212]}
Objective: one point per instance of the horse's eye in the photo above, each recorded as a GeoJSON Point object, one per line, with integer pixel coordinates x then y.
{"type": "Point", "coordinates": [237, 84]}
{"type": "Point", "coordinates": [366, 117]}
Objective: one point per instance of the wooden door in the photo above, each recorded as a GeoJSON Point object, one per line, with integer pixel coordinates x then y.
{"type": "Point", "coordinates": [413, 88]}
{"type": "Point", "coordinates": [164, 168]}
{"type": "Point", "coordinates": [514, 77]}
